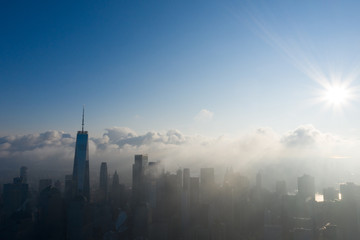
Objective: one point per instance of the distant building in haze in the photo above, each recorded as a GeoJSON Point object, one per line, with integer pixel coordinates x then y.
{"type": "Point", "coordinates": [138, 184]}
{"type": "Point", "coordinates": [81, 181]}
{"type": "Point", "coordinates": [207, 183]}
{"type": "Point", "coordinates": [103, 186]}
{"type": "Point", "coordinates": [306, 187]}
{"type": "Point", "coordinates": [14, 196]}
{"type": "Point", "coordinates": [23, 174]}
{"type": "Point", "coordinates": [44, 183]}
{"type": "Point", "coordinates": [186, 179]}
{"type": "Point", "coordinates": [68, 186]}
{"type": "Point", "coordinates": [115, 178]}
{"type": "Point", "coordinates": [330, 194]}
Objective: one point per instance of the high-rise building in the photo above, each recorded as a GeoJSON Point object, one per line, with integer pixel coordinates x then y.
{"type": "Point", "coordinates": [194, 191]}
{"type": "Point", "coordinates": [68, 186]}
{"type": "Point", "coordinates": [306, 187]}
{"type": "Point", "coordinates": [138, 185]}
{"type": "Point", "coordinates": [44, 183]}
{"type": "Point", "coordinates": [207, 177]}
{"type": "Point", "coordinates": [81, 181]}
{"type": "Point", "coordinates": [14, 196]}
{"type": "Point", "coordinates": [330, 194]}
{"type": "Point", "coordinates": [154, 170]}
{"type": "Point", "coordinates": [23, 174]}
{"type": "Point", "coordinates": [139, 169]}
{"type": "Point", "coordinates": [207, 183]}
{"type": "Point", "coordinates": [115, 182]}
{"type": "Point", "coordinates": [350, 192]}
{"type": "Point", "coordinates": [179, 175]}
{"type": "Point", "coordinates": [186, 179]}
{"type": "Point", "coordinates": [103, 181]}
{"type": "Point", "coordinates": [117, 193]}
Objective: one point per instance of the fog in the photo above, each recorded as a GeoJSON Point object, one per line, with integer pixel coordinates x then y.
{"type": "Point", "coordinates": [278, 156]}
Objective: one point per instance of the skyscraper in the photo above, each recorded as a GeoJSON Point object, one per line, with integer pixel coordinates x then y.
{"type": "Point", "coordinates": [23, 174]}
{"type": "Point", "coordinates": [207, 183]}
{"type": "Point", "coordinates": [138, 184]}
{"type": "Point", "coordinates": [81, 183]}
{"type": "Point", "coordinates": [306, 187]}
{"type": "Point", "coordinates": [14, 196]}
{"type": "Point", "coordinates": [44, 183]}
{"type": "Point", "coordinates": [186, 179]}
{"type": "Point", "coordinates": [103, 186]}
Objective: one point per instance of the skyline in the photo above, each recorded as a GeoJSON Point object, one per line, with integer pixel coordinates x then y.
{"type": "Point", "coordinates": [153, 68]}
{"type": "Point", "coordinates": [248, 85]}
{"type": "Point", "coordinates": [204, 120]}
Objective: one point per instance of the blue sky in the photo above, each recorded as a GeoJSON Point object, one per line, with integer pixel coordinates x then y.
{"type": "Point", "coordinates": [155, 65]}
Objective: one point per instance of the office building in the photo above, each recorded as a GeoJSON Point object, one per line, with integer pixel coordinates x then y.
{"type": "Point", "coordinates": [81, 181]}
{"type": "Point", "coordinates": [23, 174]}
{"type": "Point", "coordinates": [14, 196]}
{"type": "Point", "coordinates": [103, 186]}
{"type": "Point", "coordinates": [306, 187]}
{"type": "Point", "coordinates": [207, 183]}
{"type": "Point", "coordinates": [44, 183]}
{"type": "Point", "coordinates": [139, 182]}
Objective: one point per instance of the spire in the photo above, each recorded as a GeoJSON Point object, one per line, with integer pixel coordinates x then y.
{"type": "Point", "coordinates": [82, 125]}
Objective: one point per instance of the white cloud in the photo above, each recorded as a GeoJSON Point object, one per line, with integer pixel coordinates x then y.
{"type": "Point", "coordinates": [204, 116]}
{"type": "Point", "coordinates": [283, 156]}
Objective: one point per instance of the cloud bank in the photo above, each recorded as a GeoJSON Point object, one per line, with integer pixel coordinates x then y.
{"type": "Point", "coordinates": [304, 149]}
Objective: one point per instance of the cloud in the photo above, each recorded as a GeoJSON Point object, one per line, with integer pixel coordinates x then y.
{"type": "Point", "coordinates": [204, 116]}
{"type": "Point", "coordinates": [305, 135]}
{"type": "Point", "coordinates": [304, 149]}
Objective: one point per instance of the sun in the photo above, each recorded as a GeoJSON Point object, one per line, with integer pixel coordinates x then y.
{"type": "Point", "coordinates": [337, 95]}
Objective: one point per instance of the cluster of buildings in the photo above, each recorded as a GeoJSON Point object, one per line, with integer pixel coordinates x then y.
{"type": "Point", "coordinates": [163, 206]}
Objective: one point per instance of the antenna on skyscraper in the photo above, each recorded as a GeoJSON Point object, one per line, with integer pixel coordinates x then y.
{"type": "Point", "coordinates": [82, 125]}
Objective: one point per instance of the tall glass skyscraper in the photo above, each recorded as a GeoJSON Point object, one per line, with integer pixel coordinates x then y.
{"type": "Point", "coordinates": [81, 183]}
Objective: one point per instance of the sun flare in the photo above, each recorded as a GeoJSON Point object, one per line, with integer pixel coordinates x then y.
{"type": "Point", "coordinates": [337, 95]}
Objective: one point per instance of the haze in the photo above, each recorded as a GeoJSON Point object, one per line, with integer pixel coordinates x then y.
{"type": "Point", "coordinates": [244, 85]}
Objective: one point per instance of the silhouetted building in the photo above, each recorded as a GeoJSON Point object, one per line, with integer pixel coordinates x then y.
{"type": "Point", "coordinates": [14, 196]}
{"type": "Point", "coordinates": [141, 221]}
{"type": "Point", "coordinates": [117, 197]}
{"type": "Point", "coordinates": [23, 174]}
{"type": "Point", "coordinates": [44, 183]}
{"type": "Point", "coordinates": [115, 179]}
{"type": "Point", "coordinates": [51, 214]}
{"type": "Point", "coordinates": [154, 172]}
{"type": "Point", "coordinates": [139, 182]}
{"type": "Point", "coordinates": [103, 186]}
{"type": "Point", "coordinates": [68, 186]}
{"type": "Point", "coordinates": [77, 219]}
{"type": "Point", "coordinates": [81, 181]}
{"type": "Point", "coordinates": [58, 185]}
